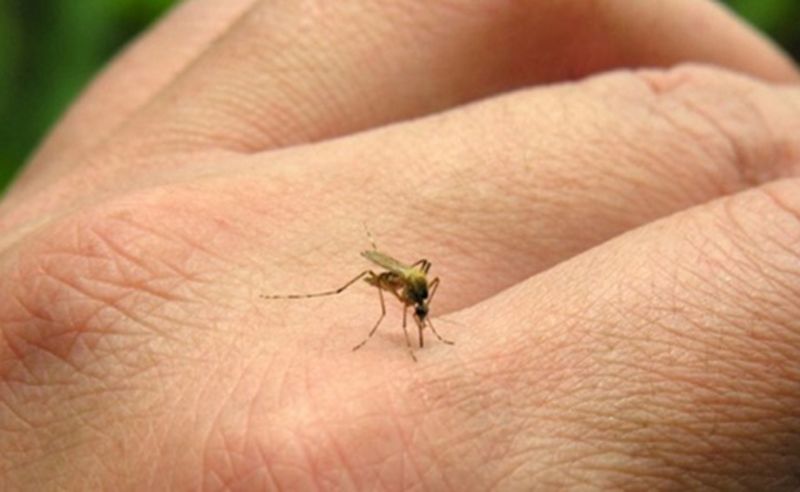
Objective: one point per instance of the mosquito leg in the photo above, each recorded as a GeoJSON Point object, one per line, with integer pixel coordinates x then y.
{"type": "Point", "coordinates": [399, 297]}
{"type": "Point", "coordinates": [326, 293]}
{"type": "Point", "coordinates": [432, 287]}
{"type": "Point", "coordinates": [374, 328]}
{"type": "Point", "coordinates": [405, 333]}
{"type": "Point", "coordinates": [443, 340]}
{"type": "Point", "coordinates": [424, 265]}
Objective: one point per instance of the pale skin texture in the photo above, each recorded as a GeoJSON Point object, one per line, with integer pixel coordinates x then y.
{"type": "Point", "coordinates": [621, 254]}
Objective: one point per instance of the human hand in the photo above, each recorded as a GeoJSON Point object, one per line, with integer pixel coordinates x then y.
{"type": "Point", "coordinates": [620, 255]}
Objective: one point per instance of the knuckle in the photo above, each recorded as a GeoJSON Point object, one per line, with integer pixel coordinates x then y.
{"type": "Point", "coordinates": [737, 120]}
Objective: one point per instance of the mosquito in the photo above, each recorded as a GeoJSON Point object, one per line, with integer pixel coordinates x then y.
{"type": "Point", "coordinates": [408, 283]}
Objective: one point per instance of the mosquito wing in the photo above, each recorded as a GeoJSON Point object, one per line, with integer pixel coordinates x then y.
{"type": "Point", "coordinates": [385, 261]}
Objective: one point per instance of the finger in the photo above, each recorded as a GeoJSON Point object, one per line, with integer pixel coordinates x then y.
{"type": "Point", "coordinates": [337, 69]}
{"type": "Point", "coordinates": [130, 82]}
{"type": "Point", "coordinates": [669, 354]}
{"type": "Point", "coordinates": [288, 73]}
{"type": "Point", "coordinates": [512, 186]}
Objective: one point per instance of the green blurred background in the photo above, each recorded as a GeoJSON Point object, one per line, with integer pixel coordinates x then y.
{"type": "Point", "coordinates": [49, 49]}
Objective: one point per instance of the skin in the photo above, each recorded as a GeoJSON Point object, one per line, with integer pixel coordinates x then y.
{"type": "Point", "coordinates": [608, 191]}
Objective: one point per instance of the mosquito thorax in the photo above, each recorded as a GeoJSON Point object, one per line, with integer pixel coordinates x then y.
{"type": "Point", "coordinates": [417, 289]}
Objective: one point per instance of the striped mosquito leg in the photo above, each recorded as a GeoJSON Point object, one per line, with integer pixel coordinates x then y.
{"type": "Point", "coordinates": [423, 264]}
{"type": "Point", "coordinates": [326, 293]}
{"type": "Point", "coordinates": [443, 340]}
{"type": "Point", "coordinates": [405, 333]}
{"type": "Point", "coordinates": [374, 328]}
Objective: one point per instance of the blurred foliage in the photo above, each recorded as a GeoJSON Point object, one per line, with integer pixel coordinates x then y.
{"type": "Point", "coordinates": [779, 18]}
{"type": "Point", "coordinates": [49, 49]}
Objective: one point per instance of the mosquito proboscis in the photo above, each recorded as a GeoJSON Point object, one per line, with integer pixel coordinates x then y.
{"type": "Point", "coordinates": [408, 283]}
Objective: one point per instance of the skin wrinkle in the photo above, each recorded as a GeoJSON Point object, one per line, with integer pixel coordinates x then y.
{"type": "Point", "coordinates": [217, 428]}
{"type": "Point", "coordinates": [270, 474]}
{"type": "Point", "coordinates": [691, 343]}
{"type": "Point", "coordinates": [309, 464]}
{"type": "Point", "coordinates": [193, 244]}
{"type": "Point", "coordinates": [147, 187]}
{"type": "Point", "coordinates": [221, 454]}
{"type": "Point", "coordinates": [253, 409]}
{"type": "Point", "coordinates": [155, 293]}
{"type": "Point", "coordinates": [752, 258]}
{"type": "Point", "coordinates": [409, 424]}
{"type": "Point", "coordinates": [664, 107]}
{"type": "Point", "coordinates": [574, 466]}
{"type": "Point", "coordinates": [484, 411]}
{"type": "Point", "coordinates": [694, 383]}
{"type": "Point", "coordinates": [379, 460]}
{"type": "Point", "coordinates": [340, 453]}
{"type": "Point", "coordinates": [617, 468]}
{"type": "Point", "coordinates": [711, 285]}
{"type": "Point", "coordinates": [254, 128]}
{"type": "Point", "coordinates": [243, 475]}
{"type": "Point", "coordinates": [264, 464]}
{"type": "Point", "coordinates": [267, 374]}
{"type": "Point", "coordinates": [276, 114]}
{"type": "Point", "coordinates": [116, 253]}
{"type": "Point", "coordinates": [207, 432]}
{"type": "Point", "coordinates": [55, 448]}
{"type": "Point", "coordinates": [165, 411]}
{"type": "Point", "coordinates": [716, 179]}
{"type": "Point", "coordinates": [80, 287]}
{"type": "Point", "coordinates": [80, 329]}
{"type": "Point", "coordinates": [151, 273]}
{"type": "Point", "coordinates": [414, 418]}
{"type": "Point", "coordinates": [272, 467]}
{"type": "Point", "coordinates": [743, 163]}
{"type": "Point", "coordinates": [782, 200]}
{"type": "Point", "coordinates": [39, 481]}
{"type": "Point", "coordinates": [766, 306]}
{"type": "Point", "coordinates": [85, 292]}
{"type": "Point", "coordinates": [517, 453]}
{"type": "Point", "coordinates": [19, 415]}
